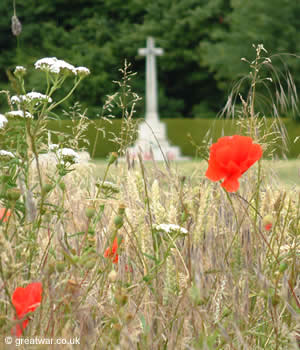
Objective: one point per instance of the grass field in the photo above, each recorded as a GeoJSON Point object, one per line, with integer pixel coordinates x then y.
{"type": "Point", "coordinates": [285, 172]}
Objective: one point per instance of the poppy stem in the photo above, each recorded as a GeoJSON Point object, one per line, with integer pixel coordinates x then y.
{"type": "Point", "coordinates": [250, 205]}
{"type": "Point", "coordinates": [84, 237]}
{"type": "Point", "coordinates": [257, 191]}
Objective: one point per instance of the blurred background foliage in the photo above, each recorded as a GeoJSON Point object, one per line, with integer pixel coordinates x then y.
{"type": "Point", "coordinates": [203, 40]}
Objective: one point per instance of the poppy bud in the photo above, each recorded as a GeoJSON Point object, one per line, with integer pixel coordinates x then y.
{"type": "Point", "coordinates": [129, 317]}
{"type": "Point", "coordinates": [90, 264]}
{"type": "Point", "coordinates": [90, 212]}
{"type": "Point", "coordinates": [112, 276]}
{"type": "Point", "coordinates": [118, 221]}
{"type": "Point", "coordinates": [16, 26]}
{"type": "Point", "coordinates": [113, 157]}
{"type": "Point", "coordinates": [60, 266]}
{"type": "Point", "coordinates": [92, 241]}
{"type": "Point", "coordinates": [283, 266]}
{"type": "Point", "coordinates": [121, 209]}
{"type": "Point", "coordinates": [121, 299]}
{"type": "Point", "coordinates": [13, 194]}
{"type": "Point", "coordinates": [226, 312]}
{"type": "Point", "coordinates": [72, 287]}
{"type": "Point", "coordinates": [51, 268]}
{"type": "Point", "coordinates": [75, 258]}
{"type": "Point", "coordinates": [46, 188]}
{"type": "Point", "coordinates": [275, 300]}
{"type": "Point", "coordinates": [268, 221]}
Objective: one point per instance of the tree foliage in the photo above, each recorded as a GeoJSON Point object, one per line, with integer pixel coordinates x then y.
{"type": "Point", "coordinates": [203, 42]}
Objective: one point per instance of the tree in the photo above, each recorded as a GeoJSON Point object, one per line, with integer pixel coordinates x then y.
{"type": "Point", "coordinates": [275, 24]}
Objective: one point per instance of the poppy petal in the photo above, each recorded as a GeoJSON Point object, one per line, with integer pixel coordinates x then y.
{"type": "Point", "coordinates": [26, 300]}
{"type": "Point", "coordinates": [230, 157]}
{"type": "Point", "coordinates": [231, 184]}
{"type": "Point", "coordinates": [214, 172]}
{"type": "Point", "coordinates": [115, 246]}
{"type": "Point", "coordinates": [107, 253]}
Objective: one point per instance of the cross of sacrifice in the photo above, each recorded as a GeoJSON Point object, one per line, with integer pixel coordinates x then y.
{"type": "Point", "coordinates": [151, 83]}
{"type": "Point", "coordinates": [152, 139]}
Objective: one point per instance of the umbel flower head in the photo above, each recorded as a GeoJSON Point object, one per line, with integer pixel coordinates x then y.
{"type": "Point", "coordinates": [26, 300]}
{"type": "Point", "coordinates": [6, 155]}
{"type": "Point", "coordinates": [82, 71]}
{"type": "Point", "coordinates": [19, 114]}
{"type": "Point", "coordinates": [67, 155]}
{"type": "Point", "coordinates": [20, 71]}
{"type": "Point", "coordinates": [230, 157]}
{"type": "Point", "coordinates": [169, 228]}
{"type": "Point", "coordinates": [3, 121]}
{"type": "Point", "coordinates": [107, 186]}
{"type": "Point", "coordinates": [31, 97]}
{"type": "Point", "coordinates": [56, 66]}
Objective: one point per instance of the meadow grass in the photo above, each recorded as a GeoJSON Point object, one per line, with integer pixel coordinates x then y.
{"type": "Point", "coordinates": [145, 255]}
{"type": "Point", "coordinates": [217, 287]}
{"type": "Point", "coordinates": [286, 172]}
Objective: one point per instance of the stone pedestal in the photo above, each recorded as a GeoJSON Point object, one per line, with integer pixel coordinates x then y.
{"type": "Point", "coordinates": [152, 147]}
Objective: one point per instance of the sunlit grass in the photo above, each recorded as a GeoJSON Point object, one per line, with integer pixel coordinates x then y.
{"type": "Point", "coordinates": [285, 172]}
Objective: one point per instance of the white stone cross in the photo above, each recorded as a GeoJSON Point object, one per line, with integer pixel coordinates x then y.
{"type": "Point", "coordinates": [152, 140]}
{"type": "Point", "coordinates": [151, 83]}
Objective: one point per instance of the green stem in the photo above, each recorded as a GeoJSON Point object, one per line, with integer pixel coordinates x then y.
{"type": "Point", "coordinates": [66, 97]}
{"type": "Point", "coordinates": [257, 191]}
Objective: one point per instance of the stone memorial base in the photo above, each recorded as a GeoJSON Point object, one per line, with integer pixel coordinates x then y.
{"type": "Point", "coordinates": [153, 144]}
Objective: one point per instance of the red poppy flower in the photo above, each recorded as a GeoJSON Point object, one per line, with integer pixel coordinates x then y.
{"type": "Point", "coordinates": [2, 213]}
{"type": "Point", "coordinates": [268, 222]}
{"type": "Point", "coordinates": [26, 300]}
{"type": "Point", "coordinates": [268, 227]}
{"type": "Point", "coordinates": [112, 252]}
{"type": "Point", "coordinates": [230, 157]}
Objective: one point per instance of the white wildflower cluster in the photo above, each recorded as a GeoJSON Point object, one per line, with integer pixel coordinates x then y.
{"type": "Point", "coordinates": [30, 97]}
{"type": "Point", "coordinates": [19, 71]}
{"type": "Point", "coordinates": [20, 114]}
{"type": "Point", "coordinates": [108, 186]}
{"type": "Point", "coordinates": [56, 66]}
{"type": "Point", "coordinates": [53, 147]}
{"type": "Point", "coordinates": [82, 71]}
{"type": "Point", "coordinates": [3, 121]}
{"type": "Point", "coordinates": [169, 228]}
{"type": "Point", "coordinates": [5, 155]}
{"type": "Point", "coordinates": [68, 155]}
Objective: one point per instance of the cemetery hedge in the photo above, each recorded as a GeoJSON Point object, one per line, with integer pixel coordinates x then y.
{"type": "Point", "coordinates": [177, 131]}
